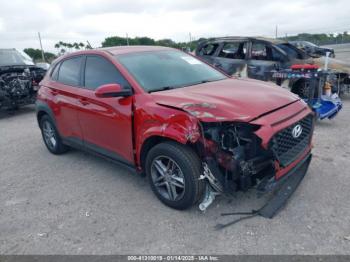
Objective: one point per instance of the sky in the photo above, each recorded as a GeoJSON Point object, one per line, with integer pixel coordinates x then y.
{"type": "Point", "coordinates": [94, 20]}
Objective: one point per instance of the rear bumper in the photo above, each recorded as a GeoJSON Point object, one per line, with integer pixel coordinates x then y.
{"type": "Point", "coordinates": [284, 187]}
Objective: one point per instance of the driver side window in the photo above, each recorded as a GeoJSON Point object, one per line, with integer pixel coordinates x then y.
{"type": "Point", "coordinates": [265, 52]}
{"type": "Point", "coordinates": [99, 71]}
{"type": "Point", "coordinates": [259, 51]}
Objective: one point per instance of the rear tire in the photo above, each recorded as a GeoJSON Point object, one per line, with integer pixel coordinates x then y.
{"type": "Point", "coordinates": [173, 172]}
{"type": "Point", "coordinates": [302, 89]}
{"type": "Point", "coordinates": [51, 136]}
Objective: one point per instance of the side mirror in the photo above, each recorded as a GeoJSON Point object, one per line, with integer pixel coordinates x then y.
{"type": "Point", "coordinates": [112, 90]}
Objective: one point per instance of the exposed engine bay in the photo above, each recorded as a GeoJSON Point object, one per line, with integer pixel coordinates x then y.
{"type": "Point", "coordinates": [234, 157]}
{"type": "Point", "coordinates": [18, 85]}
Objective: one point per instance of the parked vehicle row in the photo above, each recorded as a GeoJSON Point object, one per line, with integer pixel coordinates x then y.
{"type": "Point", "coordinates": [192, 129]}
{"type": "Point", "coordinates": [312, 49]}
{"type": "Point", "coordinates": [257, 58]}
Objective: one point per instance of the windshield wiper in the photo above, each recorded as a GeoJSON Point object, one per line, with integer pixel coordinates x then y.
{"type": "Point", "coordinates": [163, 88]}
{"type": "Point", "coordinates": [190, 84]}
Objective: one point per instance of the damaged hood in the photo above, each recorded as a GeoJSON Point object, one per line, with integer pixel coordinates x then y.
{"type": "Point", "coordinates": [227, 100]}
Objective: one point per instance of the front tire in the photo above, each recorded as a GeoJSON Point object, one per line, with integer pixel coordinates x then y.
{"type": "Point", "coordinates": [173, 172]}
{"type": "Point", "coordinates": [51, 136]}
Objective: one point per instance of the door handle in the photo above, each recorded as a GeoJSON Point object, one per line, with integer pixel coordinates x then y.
{"type": "Point", "coordinates": [252, 67]}
{"type": "Point", "coordinates": [84, 101]}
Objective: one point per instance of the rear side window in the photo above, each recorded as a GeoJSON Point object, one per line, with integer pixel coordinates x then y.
{"type": "Point", "coordinates": [99, 71]}
{"type": "Point", "coordinates": [234, 50]}
{"type": "Point", "coordinates": [54, 74]}
{"type": "Point", "coordinates": [69, 72]}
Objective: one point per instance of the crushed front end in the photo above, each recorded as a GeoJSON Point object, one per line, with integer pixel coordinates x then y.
{"type": "Point", "coordinates": [264, 153]}
{"type": "Point", "coordinates": [18, 85]}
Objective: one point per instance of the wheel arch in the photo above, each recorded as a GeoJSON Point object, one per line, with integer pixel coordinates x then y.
{"type": "Point", "coordinates": [148, 144]}
{"type": "Point", "coordinates": [42, 109]}
{"type": "Point", "coordinates": [154, 140]}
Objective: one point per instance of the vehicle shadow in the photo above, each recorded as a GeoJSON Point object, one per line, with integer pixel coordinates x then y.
{"type": "Point", "coordinates": [119, 174]}
{"type": "Point", "coordinates": [5, 114]}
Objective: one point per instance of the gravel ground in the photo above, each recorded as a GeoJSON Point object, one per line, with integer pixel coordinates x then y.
{"type": "Point", "coordinates": [80, 204]}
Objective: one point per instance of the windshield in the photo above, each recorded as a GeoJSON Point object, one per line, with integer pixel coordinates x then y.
{"type": "Point", "coordinates": [309, 44]}
{"type": "Point", "coordinates": [292, 52]}
{"type": "Point", "coordinates": [9, 57]}
{"type": "Point", "coordinates": [161, 70]}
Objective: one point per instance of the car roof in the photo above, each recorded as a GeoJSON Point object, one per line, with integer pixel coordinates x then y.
{"type": "Point", "coordinates": [118, 50]}
{"type": "Point", "coordinates": [246, 38]}
{"type": "Point", "coordinates": [114, 50]}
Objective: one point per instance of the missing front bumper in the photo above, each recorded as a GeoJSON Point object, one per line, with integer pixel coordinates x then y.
{"type": "Point", "coordinates": [282, 190]}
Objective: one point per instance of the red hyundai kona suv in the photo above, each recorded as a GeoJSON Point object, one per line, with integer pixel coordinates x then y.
{"type": "Point", "coordinates": [194, 131]}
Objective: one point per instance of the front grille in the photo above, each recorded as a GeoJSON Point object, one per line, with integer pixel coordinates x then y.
{"type": "Point", "coordinates": [288, 148]}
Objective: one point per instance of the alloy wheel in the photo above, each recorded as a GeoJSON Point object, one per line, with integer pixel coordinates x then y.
{"type": "Point", "coordinates": [167, 177]}
{"type": "Point", "coordinates": [49, 135]}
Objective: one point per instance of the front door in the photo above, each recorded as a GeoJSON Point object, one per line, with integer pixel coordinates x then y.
{"type": "Point", "coordinates": [262, 61]}
{"type": "Point", "coordinates": [106, 122]}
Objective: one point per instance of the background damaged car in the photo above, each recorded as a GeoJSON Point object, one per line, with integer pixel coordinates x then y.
{"type": "Point", "coordinates": [19, 79]}
{"type": "Point", "coordinates": [257, 58]}
{"type": "Point", "coordinates": [312, 49]}
{"type": "Point", "coordinates": [194, 131]}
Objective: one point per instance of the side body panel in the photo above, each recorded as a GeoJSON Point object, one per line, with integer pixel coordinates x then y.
{"type": "Point", "coordinates": [107, 124]}
{"type": "Point", "coordinates": [64, 103]}
{"type": "Point", "coordinates": [153, 120]}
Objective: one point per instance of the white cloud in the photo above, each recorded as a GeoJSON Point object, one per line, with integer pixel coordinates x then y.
{"type": "Point", "coordinates": [93, 20]}
{"type": "Point", "coordinates": [1, 25]}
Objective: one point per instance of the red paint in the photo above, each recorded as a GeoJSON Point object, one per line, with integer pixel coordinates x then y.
{"type": "Point", "coordinates": [230, 100]}
{"type": "Point", "coordinates": [304, 66]}
{"type": "Point", "coordinates": [122, 125]}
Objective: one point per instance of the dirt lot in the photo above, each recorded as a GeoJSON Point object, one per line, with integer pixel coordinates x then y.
{"type": "Point", "coordinates": [80, 204]}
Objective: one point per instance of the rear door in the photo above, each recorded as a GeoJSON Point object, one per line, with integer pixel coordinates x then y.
{"type": "Point", "coordinates": [106, 122]}
{"type": "Point", "coordinates": [263, 58]}
{"type": "Point", "coordinates": [231, 58]}
{"type": "Point", "coordinates": [64, 87]}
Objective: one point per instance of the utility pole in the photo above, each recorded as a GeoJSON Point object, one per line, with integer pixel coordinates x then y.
{"type": "Point", "coordinates": [276, 32]}
{"type": "Point", "coordinates": [41, 46]}
{"type": "Point", "coordinates": [127, 39]}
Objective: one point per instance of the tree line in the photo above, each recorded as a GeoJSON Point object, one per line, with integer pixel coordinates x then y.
{"type": "Point", "coordinates": [119, 41]}
{"type": "Point", "coordinates": [63, 47]}
{"type": "Point", "coordinates": [321, 39]}
{"type": "Point", "coordinates": [36, 55]}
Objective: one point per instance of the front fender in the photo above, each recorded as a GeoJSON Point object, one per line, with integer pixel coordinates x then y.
{"type": "Point", "coordinates": [182, 128]}
{"type": "Point", "coordinates": [166, 123]}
